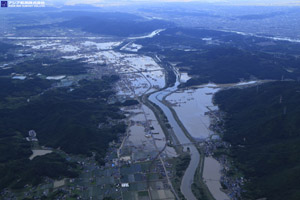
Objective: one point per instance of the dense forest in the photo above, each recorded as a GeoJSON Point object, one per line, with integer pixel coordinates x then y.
{"type": "Point", "coordinates": [18, 172]}
{"type": "Point", "coordinates": [4, 52]}
{"type": "Point", "coordinates": [262, 125]}
{"type": "Point", "coordinates": [105, 23]}
{"type": "Point", "coordinates": [222, 57]}
{"type": "Point", "coordinates": [67, 118]}
{"type": "Point", "coordinates": [4, 47]}
{"type": "Point", "coordinates": [119, 27]}
{"type": "Point", "coordinates": [16, 92]}
{"type": "Point", "coordinates": [47, 67]}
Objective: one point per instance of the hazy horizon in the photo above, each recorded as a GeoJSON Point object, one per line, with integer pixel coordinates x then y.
{"type": "Point", "coordinates": [217, 2]}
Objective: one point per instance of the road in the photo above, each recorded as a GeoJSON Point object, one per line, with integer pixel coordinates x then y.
{"type": "Point", "coordinates": [154, 143]}
{"type": "Point", "coordinates": [188, 177]}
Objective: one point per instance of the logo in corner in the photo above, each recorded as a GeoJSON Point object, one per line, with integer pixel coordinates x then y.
{"type": "Point", "coordinates": [3, 4]}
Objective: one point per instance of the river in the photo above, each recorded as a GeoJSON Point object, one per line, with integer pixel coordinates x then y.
{"type": "Point", "coordinates": [188, 177]}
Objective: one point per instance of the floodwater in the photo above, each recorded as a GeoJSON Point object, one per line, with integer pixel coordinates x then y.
{"type": "Point", "coordinates": [55, 77]}
{"type": "Point", "coordinates": [191, 106]}
{"type": "Point", "coordinates": [158, 134]}
{"type": "Point", "coordinates": [140, 140]}
{"type": "Point", "coordinates": [39, 153]}
{"type": "Point", "coordinates": [58, 183]}
{"type": "Point", "coordinates": [184, 77]}
{"type": "Point", "coordinates": [101, 46]}
{"type": "Point", "coordinates": [151, 35]}
{"type": "Point", "coordinates": [19, 77]}
{"type": "Point", "coordinates": [246, 83]}
{"type": "Point", "coordinates": [212, 176]}
{"type": "Point", "coordinates": [137, 143]}
{"type": "Point", "coordinates": [268, 37]}
{"type": "Point", "coordinates": [156, 78]}
{"type": "Point", "coordinates": [132, 47]}
{"type": "Point", "coordinates": [188, 177]}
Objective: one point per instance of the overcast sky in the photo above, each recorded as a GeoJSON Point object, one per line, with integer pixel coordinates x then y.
{"type": "Point", "coordinates": [223, 2]}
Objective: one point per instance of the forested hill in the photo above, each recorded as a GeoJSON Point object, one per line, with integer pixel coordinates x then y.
{"type": "Point", "coordinates": [262, 124]}
{"type": "Point", "coordinates": [64, 118]}
{"type": "Point", "coordinates": [222, 57]}
{"type": "Point", "coordinates": [104, 23]}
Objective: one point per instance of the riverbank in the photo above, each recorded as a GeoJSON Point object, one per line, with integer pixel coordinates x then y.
{"type": "Point", "coordinates": [199, 188]}
{"type": "Point", "coordinates": [192, 108]}
{"type": "Point", "coordinates": [183, 138]}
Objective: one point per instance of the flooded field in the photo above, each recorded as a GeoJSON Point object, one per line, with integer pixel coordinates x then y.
{"type": "Point", "coordinates": [139, 73]}
{"type": "Point", "coordinates": [145, 138]}
{"type": "Point", "coordinates": [141, 161]}
{"type": "Point", "coordinates": [188, 176]}
{"type": "Point", "coordinates": [184, 77]}
{"type": "Point", "coordinates": [158, 134]}
{"type": "Point", "coordinates": [101, 46]}
{"type": "Point", "coordinates": [212, 177]}
{"type": "Point", "coordinates": [191, 106]}
{"type": "Point", "coordinates": [39, 153]}
{"type": "Point", "coordinates": [55, 77]}
{"type": "Point", "coordinates": [58, 183]}
{"type": "Point", "coordinates": [131, 47]}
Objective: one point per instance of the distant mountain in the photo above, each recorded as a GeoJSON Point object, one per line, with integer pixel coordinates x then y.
{"type": "Point", "coordinates": [116, 24]}
{"type": "Point", "coordinates": [105, 23]}
{"type": "Point", "coordinates": [224, 57]}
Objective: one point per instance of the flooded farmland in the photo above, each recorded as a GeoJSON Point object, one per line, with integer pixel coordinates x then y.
{"type": "Point", "coordinates": [191, 106]}
{"type": "Point", "coordinates": [145, 139]}
{"type": "Point", "coordinates": [212, 177]}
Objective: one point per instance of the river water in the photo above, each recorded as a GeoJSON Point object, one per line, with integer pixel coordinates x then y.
{"type": "Point", "coordinates": [191, 106]}
{"type": "Point", "coordinates": [212, 176]}
{"type": "Point", "coordinates": [188, 177]}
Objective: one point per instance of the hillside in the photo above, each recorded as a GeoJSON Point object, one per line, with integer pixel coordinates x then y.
{"type": "Point", "coordinates": [104, 23]}
{"type": "Point", "coordinates": [224, 57]}
{"type": "Point", "coordinates": [262, 124]}
{"type": "Point", "coordinates": [65, 118]}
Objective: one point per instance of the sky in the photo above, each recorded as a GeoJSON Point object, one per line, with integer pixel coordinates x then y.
{"type": "Point", "coordinates": [222, 2]}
